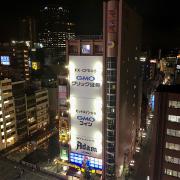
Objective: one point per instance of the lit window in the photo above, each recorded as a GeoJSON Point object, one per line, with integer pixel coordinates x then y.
{"type": "Point", "coordinates": [170, 172]}
{"type": "Point", "coordinates": [8, 131]}
{"type": "Point", "coordinates": [5, 102]}
{"type": "Point", "coordinates": [172, 132]}
{"type": "Point", "coordinates": [173, 146]}
{"type": "Point", "coordinates": [174, 104]}
{"type": "Point", "coordinates": [172, 159]}
{"type": "Point", "coordinates": [173, 118]}
{"type": "Point", "coordinates": [86, 49]}
{"type": "Point", "coordinates": [7, 116]}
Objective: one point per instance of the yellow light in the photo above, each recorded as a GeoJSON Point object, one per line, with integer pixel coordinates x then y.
{"type": "Point", "coordinates": [93, 171]}
{"type": "Point", "coordinates": [34, 65]}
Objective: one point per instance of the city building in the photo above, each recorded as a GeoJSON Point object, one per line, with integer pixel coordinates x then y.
{"type": "Point", "coordinates": [81, 104]}
{"type": "Point", "coordinates": [27, 29]}
{"type": "Point", "coordinates": [101, 103]}
{"type": "Point", "coordinates": [8, 133]}
{"type": "Point", "coordinates": [15, 57]}
{"type": "Point", "coordinates": [37, 104]}
{"type": "Point", "coordinates": [18, 90]}
{"type": "Point", "coordinates": [168, 67]}
{"type": "Point", "coordinates": [42, 108]}
{"type": "Point", "coordinates": [7, 70]}
{"type": "Point", "coordinates": [36, 62]}
{"type": "Point", "coordinates": [122, 40]}
{"type": "Point", "coordinates": [21, 58]}
{"type": "Point", "coordinates": [55, 28]}
{"type": "Point", "coordinates": [165, 157]}
{"type": "Point", "coordinates": [31, 113]}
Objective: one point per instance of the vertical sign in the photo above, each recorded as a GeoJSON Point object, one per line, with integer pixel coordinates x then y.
{"type": "Point", "coordinates": [86, 105]}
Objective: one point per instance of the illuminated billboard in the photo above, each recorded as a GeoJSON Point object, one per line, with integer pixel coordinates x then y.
{"type": "Point", "coordinates": [85, 75]}
{"type": "Point", "coordinates": [35, 65]}
{"type": "Point", "coordinates": [5, 60]}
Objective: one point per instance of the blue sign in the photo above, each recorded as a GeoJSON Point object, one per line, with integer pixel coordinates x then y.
{"type": "Point", "coordinates": [5, 60]}
{"type": "Point", "coordinates": [85, 78]}
{"type": "Point", "coordinates": [79, 160]}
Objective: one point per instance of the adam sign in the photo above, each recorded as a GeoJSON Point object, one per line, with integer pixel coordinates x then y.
{"type": "Point", "coordinates": [86, 104]}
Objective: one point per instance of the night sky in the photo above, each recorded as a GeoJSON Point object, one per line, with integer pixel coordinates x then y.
{"type": "Point", "coordinates": [161, 18]}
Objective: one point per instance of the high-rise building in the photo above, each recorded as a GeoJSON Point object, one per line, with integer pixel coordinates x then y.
{"type": "Point", "coordinates": [104, 93]}
{"type": "Point", "coordinates": [122, 40]}
{"type": "Point", "coordinates": [55, 28]}
{"type": "Point", "coordinates": [8, 133]}
{"type": "Point", "coordinates": [27, 29]}
{"type": "Point", "coordinates": [165, 159]}
{"type": "Point", "coordinates": [85, 119]}
{"type": "Point", "coordinates": [15, 56]}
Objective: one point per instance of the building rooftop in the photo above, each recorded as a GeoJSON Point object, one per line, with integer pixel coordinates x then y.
{"type": "Point", "coordinates": [169, 88]}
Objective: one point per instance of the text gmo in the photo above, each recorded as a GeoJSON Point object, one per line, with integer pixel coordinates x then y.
{"type": "Point", "coordinates": [85, 78]}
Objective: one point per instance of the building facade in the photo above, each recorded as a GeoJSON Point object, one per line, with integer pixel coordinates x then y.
{"type": "Point", "coordinates": [42, 108]}
{"type": "Point", "coordinates": [55, 29]}
{"type": "Point", "coordinates": [8, 134]}
{"type": "Point", "coordinates": [18, 90]}
{"type": "Point", "coordinates": [165, 159]}
{"type": "Point", "coordinates": [120, 99]}
{"type": "Point", "coordinates": [122, 40]}
{"type": "Point", "coordinates": [85, 59]}
{"type": "Point", "coordinates": [16, 58]}
{"type": "Point", "coordinates": [31, 114]}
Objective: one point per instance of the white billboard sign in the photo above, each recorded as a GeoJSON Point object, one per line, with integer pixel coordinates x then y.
{"type": "Point", "coordinates": [86, 104]}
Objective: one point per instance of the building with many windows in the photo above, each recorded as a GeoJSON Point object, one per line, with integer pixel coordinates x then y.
{"type": "Point", "coordinates": [18, 89]}
{"type": "Point", "coordinates": [55, 28]}
{"type": "Point", "coordinates": [102, 107]}
{"type": "Point", "coordinates": [165, 161]}
{"type": "Point", "coordinates": [15, 57]}
{"type": "Point", "coordinates": [31, 113]}
{"type": "Point", "coordinates": [122, 42]}
{"type": "Point", "coordinates": [42, 108]}
{"type": "Point", "coordinates": [37, 104]}
{"type": "Point", "coordinates": [8, 131]}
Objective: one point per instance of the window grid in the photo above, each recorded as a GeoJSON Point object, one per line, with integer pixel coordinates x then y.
{"type": "Point", "coordinates": [173, 146]}
{"type": "Point", "coordinates": [172, 173]}
{"type": "Point", "coordinates": [172, 132]}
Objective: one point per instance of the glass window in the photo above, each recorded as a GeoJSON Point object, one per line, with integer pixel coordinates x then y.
{"type": "Point", "coordinates": [86, 49]}
{"type": "Point", "coordinates": [174, 104]}
{"type": "Point", "coordinates": [174, 118]}
{"type": "Point", "coordinates": [172, 172]}
{"type": "Point", "coordinates": [172, 132]}
{"type": "Point", "coordinates": [173, 146]}
{"type": "Point", "coordinates": [172, 159]}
